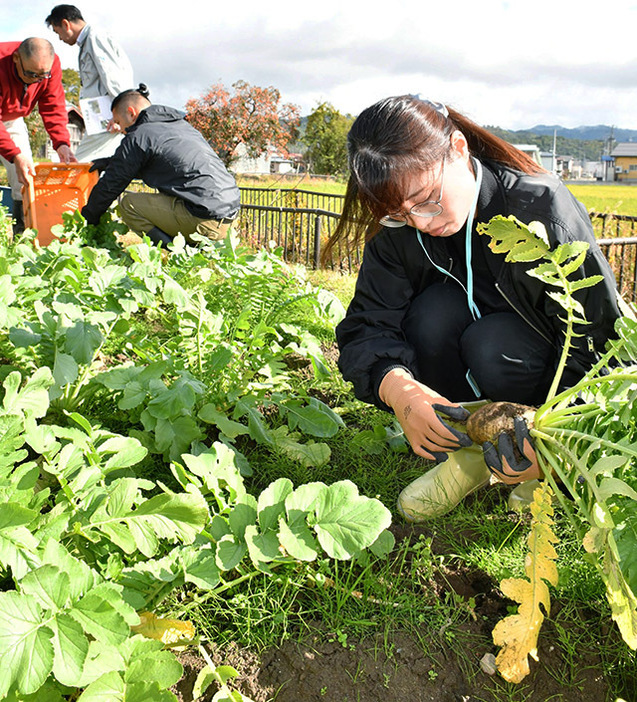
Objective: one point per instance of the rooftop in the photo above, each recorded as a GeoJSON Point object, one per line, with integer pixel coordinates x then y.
{"type": "Point", "coordinates": [627, 148]}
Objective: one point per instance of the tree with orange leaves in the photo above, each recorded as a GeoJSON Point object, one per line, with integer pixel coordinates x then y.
{"type": "Point", "coordinates": [252, 116]}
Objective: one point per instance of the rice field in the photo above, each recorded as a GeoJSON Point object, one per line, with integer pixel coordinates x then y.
{"type": "Point", "coordinates": [607, 198]}
{"type": "Point", "coordinates": [596, 197]}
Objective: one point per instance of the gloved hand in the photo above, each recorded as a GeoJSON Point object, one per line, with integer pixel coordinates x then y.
{"type": "Point", "coordinates": [100, 164]}
{"type": "Point", "coordinates": [513, 462]}
{"type": "Point", "coordinates": [89, 216]}
{"type": "Point", "coordinates": [415, 406]}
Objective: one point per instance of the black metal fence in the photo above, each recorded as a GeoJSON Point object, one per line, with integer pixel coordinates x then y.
{"type": "Point", "coordinates": [299, 232]}
{"type": "Point", "coordinates": [292, 197]}
{"type": "Point", "coordinates": [621, 254]}
{"type": "Point", "coordinates": [612, 226]}
{"type": "Point", "coordinates": [301, 221]}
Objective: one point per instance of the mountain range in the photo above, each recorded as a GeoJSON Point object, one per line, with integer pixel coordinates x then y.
{"type": "Point", "coordinates": [587, 143]}
{"type": "Point", "coordinates": [598, 132]}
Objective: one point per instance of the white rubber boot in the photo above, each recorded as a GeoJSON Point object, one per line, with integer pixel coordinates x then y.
{"type": "Point", "coordinates": [439, 490]}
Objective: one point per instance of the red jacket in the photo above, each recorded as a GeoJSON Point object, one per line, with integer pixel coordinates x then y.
{"type": "Point", "coordinates": [18, 100]}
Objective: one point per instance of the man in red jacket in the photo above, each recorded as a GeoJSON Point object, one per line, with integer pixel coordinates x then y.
{"type": "Point", "coordinates": [30, 76]}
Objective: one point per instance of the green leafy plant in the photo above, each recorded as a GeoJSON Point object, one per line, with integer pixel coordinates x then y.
{"type": "Point", "coordinates": [89, 545]}
{"type": "Point", "coordinates": [86, 545]}
{"type": "Point", "coordinates": [220, 675]}
{"type": "Point", "coordinates": [221, 356]}
{"type": "Point", "coordinates": [102, 235]}
{"type": "Point", "coordinates": [585, 436]}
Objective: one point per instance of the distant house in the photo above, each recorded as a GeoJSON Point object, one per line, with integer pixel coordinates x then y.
{"type": "Point", "coordinates": [282, 164]}
{"type": "Point", "coordinates": [549, 162]}
{"type": "Point", "coordinates": [625, 155]}
{"type": "Point", "coordinates": [608, 166]}
{"type": "Point", "coordinates": [269, 162]}
{"type": "Point", "coordinates": [244, 164]}
{"type": "Point", "coordinates": [594, 170]}
{"type": "Point", "coordinates": [567, 167]}
{"type": "Point", "coordinates": [531, 150]}
{"type": "Point", "coordinates": [76, 132]}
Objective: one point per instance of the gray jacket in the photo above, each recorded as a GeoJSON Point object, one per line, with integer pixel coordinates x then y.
{"type": "Point", "coordinates": [104, 67]}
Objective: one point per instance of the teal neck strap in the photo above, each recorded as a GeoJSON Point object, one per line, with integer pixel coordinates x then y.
{"type": "Point", "coordinates": [473, 308]}
{"type": "Point", "coordinates": [468, 240]}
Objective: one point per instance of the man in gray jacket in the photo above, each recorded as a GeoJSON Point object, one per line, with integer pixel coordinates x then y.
{"type": "Point", "coordinates": [196, 193]}
{"type": "Point", "coordinates": [105, 71]}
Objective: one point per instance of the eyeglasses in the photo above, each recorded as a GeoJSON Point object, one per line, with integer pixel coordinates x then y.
{"type": "Point", "coordinates": [427, 209]}
{"type": "Point", "coordinates": [32, 74]}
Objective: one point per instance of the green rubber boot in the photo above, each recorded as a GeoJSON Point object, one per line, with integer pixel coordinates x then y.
{"type": "Point", "coordinates": [442, 488]}
{"type": "Point", "coordinates": [521, 496]}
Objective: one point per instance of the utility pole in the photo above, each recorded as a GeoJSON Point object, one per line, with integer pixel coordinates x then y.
{"type": "Point", "coordinates": [608, 147]}
{"type": "Point", "coordinates": [611, 139]}
{"type": "Point", "coordinates": [555, 152]}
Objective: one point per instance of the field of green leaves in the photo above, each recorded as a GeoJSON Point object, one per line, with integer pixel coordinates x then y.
{"type": "Point", "coordinates": [129, 388]}
{"type": "Point", "coordinates": [183, 472]}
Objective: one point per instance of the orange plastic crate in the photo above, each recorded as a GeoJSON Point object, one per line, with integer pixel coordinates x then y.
{"type": "Point", "coordinates": [57, 188]}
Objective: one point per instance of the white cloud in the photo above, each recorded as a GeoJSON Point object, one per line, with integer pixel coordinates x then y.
{"type": "Point", "coordinates": [503, 62]}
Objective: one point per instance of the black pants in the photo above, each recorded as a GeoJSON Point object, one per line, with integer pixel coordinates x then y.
{"type": "Point", "coordinates": [507, 359]}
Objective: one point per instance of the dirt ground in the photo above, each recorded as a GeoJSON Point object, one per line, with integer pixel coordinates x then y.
{"type": "Point", "coordinates": [362, 672]}
{"type": "Point", "coordinates": [404, 668]}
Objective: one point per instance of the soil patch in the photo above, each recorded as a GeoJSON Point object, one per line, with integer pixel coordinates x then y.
{"type": "Point", "coordinates": [404, 666]}
{"type": "Point", "coordinates": [379, 670]}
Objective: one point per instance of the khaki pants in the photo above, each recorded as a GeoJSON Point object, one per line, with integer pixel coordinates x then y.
{"type": "Point", "coordinates": [143, 211]}
{"type": "Point", "coordinates": [18, 132]}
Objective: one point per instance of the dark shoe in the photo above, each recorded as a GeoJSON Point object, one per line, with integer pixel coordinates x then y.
{"type": "Point", "coordinates": [157, 236]}
{"type": "Point", "coordinates": [18, 217]}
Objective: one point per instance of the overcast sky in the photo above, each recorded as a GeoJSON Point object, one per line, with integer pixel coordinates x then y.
{"type": "Point", "coordinates": [508, 63]}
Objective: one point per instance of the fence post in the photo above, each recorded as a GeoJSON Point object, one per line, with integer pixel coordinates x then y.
{"type": "Point", "coordinates": [317, 241]}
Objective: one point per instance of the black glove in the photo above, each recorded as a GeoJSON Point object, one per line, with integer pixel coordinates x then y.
{"type": "Point", "coordinates": [89, 216]}
{"type": "Point", "coordinates": [100, 164]}
{"type": "Point", "coordinates": [513, 462]}
{"type": "Point", "coordinates": [457, 414]}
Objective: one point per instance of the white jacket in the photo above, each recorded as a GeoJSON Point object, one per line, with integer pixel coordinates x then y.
{"type": "Point", "coordinates": [104, 67]}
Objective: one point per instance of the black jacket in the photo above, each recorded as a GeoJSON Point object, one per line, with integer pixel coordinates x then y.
{"type": "Point", "coordinates": [167, 153]}
{"type": "Point", "coordinates": [395, 270]}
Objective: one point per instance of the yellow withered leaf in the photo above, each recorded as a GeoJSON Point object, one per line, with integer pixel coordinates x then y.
{"type": "Point", "coordinates": [168, 631]}
{"type": "Point", "coordinates": [623, 603]}
{"type": "Point", "coordinates": [621, 598]}
{"type": "Point", "coordinates": [517, 634]}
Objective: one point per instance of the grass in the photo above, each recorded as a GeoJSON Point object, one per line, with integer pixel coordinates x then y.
{"type": "Point", "coordinates": [596, 197]}
{"type": "Point", "coordinates": [302, 181]}
{"type": "Point", "coordinates": [340, 284]}
{"type": "Point", "coordinates": [352, 602]}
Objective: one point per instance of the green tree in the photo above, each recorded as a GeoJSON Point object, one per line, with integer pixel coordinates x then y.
{"type": "Point", "coordinates": [589, 149]}
{"type": "Point", "coordinates": [326, 139]}
{"type": "Point", "coordinates": [35, 126]}
{"type": "Point", "coordinates": [71, 83]}
{"type": "Point", "coordinates": [37, 133]}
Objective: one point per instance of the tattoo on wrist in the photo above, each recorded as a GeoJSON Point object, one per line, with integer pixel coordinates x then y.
{"type": "Point", "coordinates": [407, 411]}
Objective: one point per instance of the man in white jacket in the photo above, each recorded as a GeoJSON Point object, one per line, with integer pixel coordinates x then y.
{"type": "Point", "coordinates": [105, 71]}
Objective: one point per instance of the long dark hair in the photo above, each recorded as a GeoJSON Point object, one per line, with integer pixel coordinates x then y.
{"type": "Point", "coordinates": [395, 139]}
